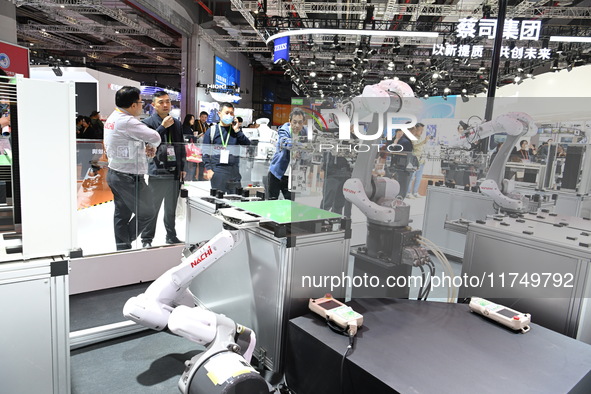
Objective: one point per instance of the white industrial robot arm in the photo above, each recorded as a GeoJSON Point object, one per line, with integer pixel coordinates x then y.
{"type": "Point", "coordinates": [516, 125]}
{"type": "Point", "coordinates": [376, 196]}
{"type": "Point", "coordinates": [168, 301]}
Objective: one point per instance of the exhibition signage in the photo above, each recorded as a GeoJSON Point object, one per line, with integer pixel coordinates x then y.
{"type": "Point", "coordinates": [525, 30]}
{"type": "Point", "coordinates": [226, 74]}
{"type": "Point", "coordinates": [14, 59]}
{"type": "Point", "coordinates": [281, 49]}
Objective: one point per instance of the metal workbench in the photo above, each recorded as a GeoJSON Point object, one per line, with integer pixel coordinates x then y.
{"type": "Point", "coordinates": [538, 264]}
{"type": "Point", "coordinates": [259, 283]}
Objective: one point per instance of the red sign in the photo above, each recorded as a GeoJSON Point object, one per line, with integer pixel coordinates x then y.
{"type": "Point", "coordinates": [14, 59]}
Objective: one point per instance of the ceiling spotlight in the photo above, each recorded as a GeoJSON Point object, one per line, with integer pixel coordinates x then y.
{"type": "Point", "coordinates": [315, 85]}
{"type": "Point", "coordinates": [426, 96]}
{"type": "Point", "coordinates": [446, 91]}
{"type": "Point", "coordinates": [517, 79]}
{"type": "Point", "coordinates": [435, 75]}
{"type": "Point", "coordinates": [339, 75]}
{"type": "Point", "coordinates": [331, 78]}
{"type": "Point", "coordinates": [312, 62]}
{"type": "Point", "coordinates": [412, 80]}
{"type": "Point", "coordinates": [365, 70]}
{"type": "Point", "coordinates": [391, 64]}
{"type": "Point", "coordinates": [464, 91]}
{"type": "Point", "coordinates": [312, 74]}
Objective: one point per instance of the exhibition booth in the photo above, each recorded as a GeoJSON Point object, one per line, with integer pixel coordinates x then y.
{"type": "Point", "coordinates": [489, 228]}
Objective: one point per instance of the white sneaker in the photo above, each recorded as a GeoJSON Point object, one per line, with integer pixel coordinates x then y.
{"type": "Point", "coordinates": [410, 196]}
{"type": "Point", "coordinates": [417, 195]}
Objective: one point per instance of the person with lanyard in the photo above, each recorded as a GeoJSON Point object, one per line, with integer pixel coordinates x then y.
{"type": "Point", "coordinates": [167, 170]}
{"type": "Point", "coordinates": [128, 144]}
{"type": "Point", "coordinates": [222, 168]}
{"type": "Point", "coordinates": [200, 126]}
{"type": "Point", "coordinates": [277, 178]}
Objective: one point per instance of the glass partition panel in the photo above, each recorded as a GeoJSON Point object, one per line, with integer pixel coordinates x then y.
{"type": "Point", "coordinates": [132, 201]}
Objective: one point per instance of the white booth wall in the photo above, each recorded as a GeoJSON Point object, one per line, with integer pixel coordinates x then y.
{"type": "Point", "coordinates": [107, 84]}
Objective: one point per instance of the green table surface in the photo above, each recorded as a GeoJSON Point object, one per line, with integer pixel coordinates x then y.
{"type": "Point", "coordinates": [285, 211]}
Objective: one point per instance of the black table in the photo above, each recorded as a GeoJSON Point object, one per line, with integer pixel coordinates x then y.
{"type": "Point", "coordinates": [408, 346]}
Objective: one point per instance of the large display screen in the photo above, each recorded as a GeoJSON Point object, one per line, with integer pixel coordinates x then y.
{"type": "Point", "coordinates": [226, 74]}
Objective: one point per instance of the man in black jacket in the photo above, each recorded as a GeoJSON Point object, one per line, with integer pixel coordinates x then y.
{"type": "Point", "coordinates": [167, 169]}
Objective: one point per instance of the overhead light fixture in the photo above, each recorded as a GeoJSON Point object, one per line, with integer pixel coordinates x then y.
{"type": "Point", "coordinates": [517, 79]}
{"type": "Point", "coordinates": [353, 32]}
{"type": "Point", "coordinates": [312, 62]}
{"type": "Point", "coordinates": [569, 39]}
{"type": "Point", "coordinates": [412, 80]}
{"type": "Point", "coordinates": [312, 74]}
{"type": "Point", "coordinates": [57, 71]}
{"type": "Point", "coordinates": [339, 75]}
{"type": "Point", "coordinates": [464, 95]}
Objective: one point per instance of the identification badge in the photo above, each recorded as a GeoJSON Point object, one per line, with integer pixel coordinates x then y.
{"type": "Point", "coordinates": [473, 180]}
{"type": "Point", "coordinates": [224, 156]}
{"type": "Point", "coordinates": [170, 153]}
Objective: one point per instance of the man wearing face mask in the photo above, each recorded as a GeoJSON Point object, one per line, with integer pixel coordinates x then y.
{"type": "Point", "coordinates": [221, 160]}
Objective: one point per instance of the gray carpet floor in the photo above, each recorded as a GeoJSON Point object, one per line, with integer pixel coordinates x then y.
{"type": "Point", "coordinates": [144, 363]}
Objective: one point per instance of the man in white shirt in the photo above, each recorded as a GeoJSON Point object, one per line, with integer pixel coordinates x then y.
{"type": "Point", "coordinates": [129, 143]}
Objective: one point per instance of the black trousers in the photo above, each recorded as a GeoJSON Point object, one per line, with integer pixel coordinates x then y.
{"type": "Point", "coordinates": [165, 189]}
{"type": "Point", "coordinates": [278, 185]}
{"type": "Point", "coordinates": [134, 207]}
{"type": "Point", "coordinates": [332, 197]}
{"type": "Point", "coordinates": [226, 178]}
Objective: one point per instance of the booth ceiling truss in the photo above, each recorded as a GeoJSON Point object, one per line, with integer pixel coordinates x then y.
{"type": "Point", "coordinates": [115, 33]}
{"type": "Point", "coordinates": [67, 32]}
{"type": "Point", "coordinates": [316, 60]}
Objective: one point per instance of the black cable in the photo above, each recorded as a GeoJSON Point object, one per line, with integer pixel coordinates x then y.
{"type": "Point", "coordinates": [419, 296]}
{"type": "Point", "coordinates": [345, 355]}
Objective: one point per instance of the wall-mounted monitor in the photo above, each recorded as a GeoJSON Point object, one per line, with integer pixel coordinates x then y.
{"type": "Point", "coordinates": [225, 73]}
